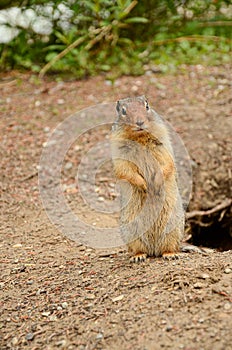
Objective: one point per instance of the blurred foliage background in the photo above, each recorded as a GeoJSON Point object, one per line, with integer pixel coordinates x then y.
{"type": "Point", "coordinates": [117, 37]}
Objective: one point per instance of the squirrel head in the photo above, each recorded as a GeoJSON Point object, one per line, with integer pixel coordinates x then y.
{"type": "Point", "coordinates": [135, 112]}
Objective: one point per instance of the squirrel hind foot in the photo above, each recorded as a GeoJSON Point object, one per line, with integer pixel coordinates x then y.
{"type": "Point", "coordinates": [171, 256]}
{"type": "Point", "coordinates": [137, 258]}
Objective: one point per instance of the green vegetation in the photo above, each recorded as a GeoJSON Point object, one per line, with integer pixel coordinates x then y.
{"type": "Point", "coordinates": [118, 36]}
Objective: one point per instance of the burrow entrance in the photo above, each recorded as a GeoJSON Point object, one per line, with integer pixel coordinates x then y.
{"type": "Point", "coordinates": [212, 230]}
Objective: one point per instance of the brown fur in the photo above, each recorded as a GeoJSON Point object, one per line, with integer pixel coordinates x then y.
{"type": "Point", "coordinates": [143, 158]}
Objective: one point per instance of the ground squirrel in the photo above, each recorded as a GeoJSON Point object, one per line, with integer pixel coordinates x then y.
{"type": "Point", "coordinates": [152, 215]}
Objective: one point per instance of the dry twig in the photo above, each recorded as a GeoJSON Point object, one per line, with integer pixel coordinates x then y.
{"type": "Point", "coordinates": [225, 204]}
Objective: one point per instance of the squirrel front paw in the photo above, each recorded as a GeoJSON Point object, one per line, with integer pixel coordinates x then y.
{"type": "Point", "coordinates": [141, 183]}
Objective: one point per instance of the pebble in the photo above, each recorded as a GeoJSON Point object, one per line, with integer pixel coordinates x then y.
{"type": "Point", "coordinates": [18, 245]}
{"type": "Point", "coordinates": [198, 285]}
{"type": "Point", "coordinates": [60, 101]}
{"type": "Point", "coordinates": [46, 313]}
{"type": "Point", "coordinates": [77, 148]}
{"type": "Point", "coordinates": [46, 129]}
{"type": "Point", "coordinates": [134, 88]}
{"type": "Point", "coordinates": [29, 336]}
{"type": "Point", "coordinates": [90, 297]}
{"type": "Point", "coordinates": [204, 276]}
{"type": "Point", "coordinates": [108, 82]}
{"type": "Point", "coordinates": [53, 318]}
{"type": "Point", "coordinates": [99, 336]}
{"type": "Point", "coordinates": [68, 166]}
{"type": "Point", "coordinates": [120, 297]}
{"type": "Point", "coordinates": [37, 103]}
{"type": "Point", "coordinates": [14, 341]}
{"type": "Point", "coordinates": [40, 291]}
{"type": "Point", "coordinates": [227, 270]}
{"type": "Point", "coordinates": [30, 282]}
{"type": "Point", "coordinates": [61, 343]}
{"type": "Point", "coordinates": [138, 83]}
{"type": "Point", "coordinates": [227, 306]}
{"type": "Point", "coordinates": [64, 305]}
{"type": "Point", "coordinates": [168, 328]}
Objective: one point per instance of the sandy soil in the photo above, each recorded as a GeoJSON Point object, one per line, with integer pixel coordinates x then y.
{"type": "Point", "coordinates": [58, 294]}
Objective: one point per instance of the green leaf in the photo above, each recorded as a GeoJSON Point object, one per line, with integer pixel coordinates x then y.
{"type": "Point", "coordinates": [57, 47]}
{"type": "Point", "coordinates": [125, 41]}
{"type": "Point", "coordinates": [50, 56]}
{"type": "Point", "coordinates": [61, 36]}
{"type": "Point", "coordinates": [136, 20]}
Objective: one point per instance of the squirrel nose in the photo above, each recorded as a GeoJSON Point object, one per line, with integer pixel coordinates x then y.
{"type": "Point", "coordinates": [139, 123]}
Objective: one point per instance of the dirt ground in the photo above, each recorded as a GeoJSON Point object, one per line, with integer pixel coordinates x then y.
{"type": "Point", "coordinates": [58, 294]}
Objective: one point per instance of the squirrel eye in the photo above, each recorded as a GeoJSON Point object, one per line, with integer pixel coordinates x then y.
{"type": "Point", "coordinates": [147, 106]}
{"type": "Point", "coordinates": [123, 111]}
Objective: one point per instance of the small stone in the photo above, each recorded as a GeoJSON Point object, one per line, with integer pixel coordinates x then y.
{"type": "Point", "coordinates": [227, 306]}
{"type": "Point", "coordinates": [61, 343]}
{"type": "Point", "coordinates": [134, 88]}
{"type": "Point", "coordinates": [120, 297]}
{"type": "Point", "coordinates": [29, 336]}
{"type": "Point", "coordinates": [227, 270]}
{"type": "Point", "coordinates": [30, 282]}
{"type": "Point", "coordinates": [139, 83]}
{"type": "Point", "coordinates": [14, 341]}
{"type": "Point", "coordinates": [89, 250]}
{"type": "Point", "coordinates": [64, 305]}
{"type": "Point", "coordinates": [59, 308]}
{"type": "Point", "coordinates": [46, 313]}
{"type": "Point", "coordinates": [204, 276]}
{"type": "Point", "coordinates": [60, 101]}
{"type": "Point", "coordinates": [99, 336]}
{"type": "Point", "coordinates": [90, 296]}
{"type": "Point", "coordinates": [53, 318]}
{"type": "Point", "coordinates": [19, 269]}
{"type": "Point", "coordinates": [168, 328]}
{"type": "Point", "coordinates": [41, 291]}
{"type": "Point", "coordinates": [198, 285]}
{"type": "Point", "coordinates": [46, 129]}
{"type": "Point", "coordinates": [37, 103]}
{"type": "Point", "coordinates": [68, 166]}
{"type": "Point", "coordinates": [108, 82]}
{"type": "Point", "coordinates": [77, 148]}
{"type": "Point", "coordinates": [18, 245]}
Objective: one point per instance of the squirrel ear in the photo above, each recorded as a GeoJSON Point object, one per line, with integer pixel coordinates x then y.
{"type": "Point", "coordinates": [143, 99]}
{"type": "Point", "coordinates": [118, 106]}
